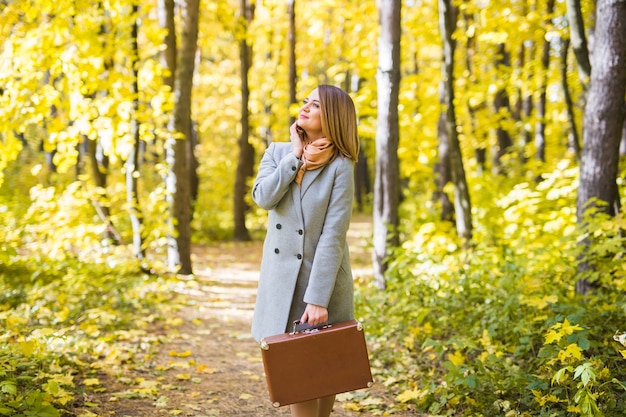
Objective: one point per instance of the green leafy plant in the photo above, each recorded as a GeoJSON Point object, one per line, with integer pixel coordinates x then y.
{"type": "Point", "coordinates": [498, 330]}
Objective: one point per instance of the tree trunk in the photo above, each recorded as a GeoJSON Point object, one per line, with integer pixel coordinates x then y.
{"type": "Point", "coordinates": [99, 161]}
{"type": "Point", "coordinates": [574, 137]}
{"type": "Point", "coordinates": [387, 182]}
{"type": "Point", "coordinates": [245, 162]}
{"type": "Point", "coordinates": [442, 167]}
{"type": "Point", "coordinates": [540, 128]}
{"type": "Point", "coordinates": [622, 146]}
{"type": "Point", "coordinates": [168, 61]}
{"type": "Point", "coordinates": [132, 162]}
{"type": "Point", "coordinates": [291, 10]}
{"type": "Point", "coordinates": [604, 119]}
{"type": "Point", "coordinates": [361, 180]}
{"type": "Point", "coordinates": [99, 167]}
{"type": "Point", "coordinates": [579, 40]}
{"type": "Point", "coordinates": [168, 55]}
{"type": "Point", "coordinates": [480, 152]}
{"type": "Point", "coordinates": [462, 206]}
{"type": "Point", "coordinates": [177, 148]}
{"type": "Point", "coordinates": [501, 105]}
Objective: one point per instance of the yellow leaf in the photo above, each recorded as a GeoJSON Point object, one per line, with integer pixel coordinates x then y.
{"type": "Point", "coordinates": [572, 350]}
{"type": "Point", "coordinates": [177, 321]}
{"type": "Point", "coordinates": [62, 315]}
{"type": "Point", "coordinates": [456, 358]}
{"type": "Point", "coordinates": [569, 329]}
{"type": "Point", "coordinates": [91, 381]}
{"type": "Point", "coordinates": [623, 352]}
{"type": "Point", "coordinates": [553, 336]}
{"type": "Point", "coordinates": [408, 395]}
{"type": "Point", "coordinates": [245, 396]}
{"type": "Point", "coordinates": [183, 377]}
{"type": "Point", "coordinates": [180, 354]}
{"type": "Point", "coordinates": [204, 369]}
{"type": "Point", "coordinates": [28, 347]}
{"type": "Point", "coordinates": [539, 302]}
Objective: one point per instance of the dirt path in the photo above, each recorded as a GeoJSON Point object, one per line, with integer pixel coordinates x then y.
{"type": "Point", "coordinates": [209, 365]}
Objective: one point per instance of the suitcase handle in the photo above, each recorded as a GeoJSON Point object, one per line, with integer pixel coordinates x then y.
{"type": "Point", "coordinates": [305, 328]}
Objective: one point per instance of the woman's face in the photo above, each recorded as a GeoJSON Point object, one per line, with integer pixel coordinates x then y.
{"type": "Point", "coordinates": [309, 117]}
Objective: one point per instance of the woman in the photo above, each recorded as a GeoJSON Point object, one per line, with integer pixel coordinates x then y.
{"type": "Point", "coordinates": [307, 185]}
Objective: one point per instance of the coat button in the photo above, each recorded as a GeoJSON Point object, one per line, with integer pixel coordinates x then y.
{"type": "Point", "coordinates": [299, 256]}
{"type": "Point", "coordinates": [276, 250]}
{"type": "Point", "coordinates": [278, 226]}
{"type": "Point", "coordinates": [300, 231]}
{"type": "Point", "coordinates": [293, 168]}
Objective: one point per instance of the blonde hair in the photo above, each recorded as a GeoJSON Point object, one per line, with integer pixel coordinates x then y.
{"type": "Point", "coordinates": [338, 117]}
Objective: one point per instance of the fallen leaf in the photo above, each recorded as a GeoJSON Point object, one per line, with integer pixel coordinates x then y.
{"type": "Point", "coordinates": [204, 369]}
{"type": "Point", "coordinates": [180, 354]}
{"type": "Point", "coordinates": [161, 402]}
{"type": "Point", "coordinates": [408, 395]}
{"type": "Point", "coordinates": [91, 382]}
{"type": "Point", "coordinates": [245, 396]}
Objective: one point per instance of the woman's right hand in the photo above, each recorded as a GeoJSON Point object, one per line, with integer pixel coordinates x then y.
{"type": "Point", "coordinates": [314, 315]}
{"type": "Point", "coordinates": [297, 142]}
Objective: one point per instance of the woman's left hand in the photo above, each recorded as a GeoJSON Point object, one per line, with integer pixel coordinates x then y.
{"type": "Point", "coordinates": [314, 315]}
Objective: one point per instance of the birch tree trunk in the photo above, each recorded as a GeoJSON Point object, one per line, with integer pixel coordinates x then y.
{"type": "Point", "coordinates": [387, 183]}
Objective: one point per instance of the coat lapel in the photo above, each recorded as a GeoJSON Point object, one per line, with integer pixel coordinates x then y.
{"type": "Point", "coordinates": [297, 202]}
{"type": "Point", "coordinates": [309, 178]}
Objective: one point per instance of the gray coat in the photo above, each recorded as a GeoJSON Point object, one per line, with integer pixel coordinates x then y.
{"type": "Point", "coordinates": [305, 254]}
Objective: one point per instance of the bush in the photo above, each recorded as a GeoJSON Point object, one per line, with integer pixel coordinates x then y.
{"type": "Point", "coordinates": [498, 330]}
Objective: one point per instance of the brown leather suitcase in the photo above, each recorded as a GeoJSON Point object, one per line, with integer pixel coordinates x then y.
{"type": "Point", "coordinates": [301, 366]}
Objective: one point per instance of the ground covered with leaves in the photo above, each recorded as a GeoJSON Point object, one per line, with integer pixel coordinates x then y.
{"type": "Point", "coordinates": [202, 361]}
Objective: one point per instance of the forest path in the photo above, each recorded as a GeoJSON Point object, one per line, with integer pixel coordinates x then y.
{"type": "Point", "coordinates": [207, 363]}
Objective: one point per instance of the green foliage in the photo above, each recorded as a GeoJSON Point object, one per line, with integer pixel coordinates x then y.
{"type": "Point", "coordinates": [56, 309]}
{"type": "Point", "coordinates": [57, 314]}
{"type": "Point", "coordinates": [498, 330]}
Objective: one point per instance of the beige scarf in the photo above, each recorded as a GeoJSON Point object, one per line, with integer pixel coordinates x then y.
{"type": "Point", "coordinates": [315, 154]}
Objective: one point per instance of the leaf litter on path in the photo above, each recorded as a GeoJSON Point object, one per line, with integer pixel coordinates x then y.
{"type": "Point", "coordinates": [207, 364]}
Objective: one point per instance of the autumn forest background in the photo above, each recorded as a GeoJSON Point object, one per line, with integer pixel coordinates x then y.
{"type": "Point", "coordinates": [492, 170]}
